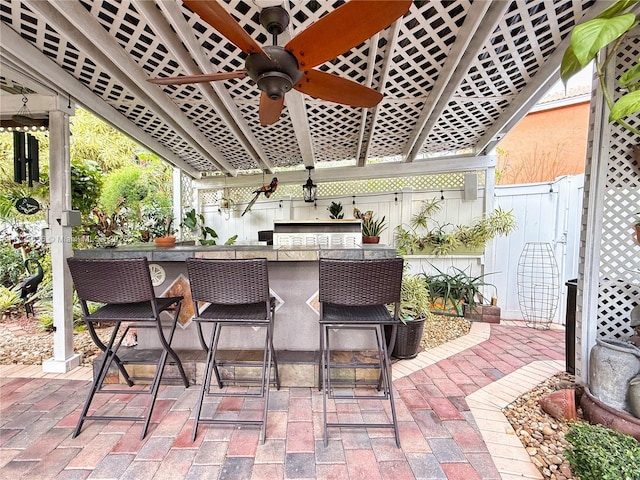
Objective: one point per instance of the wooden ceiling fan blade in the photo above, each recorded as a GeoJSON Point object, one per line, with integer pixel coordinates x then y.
{"type": "Point", "coordinates": [201, 78]}
{"type": "Point", "coordinates": [217, 16]}
{"type": "Point", "coordinates": [327, 86]}
{"type": "Point", "coordinates": [344, 28]}
{"type": "Point", "coordinates": [270, 110]}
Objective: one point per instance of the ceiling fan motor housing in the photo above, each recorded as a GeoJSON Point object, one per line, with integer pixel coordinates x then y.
{"type": "Point", "coordinates": [274, 19]}
{"type": "Point", "coordinates": [274, 74]}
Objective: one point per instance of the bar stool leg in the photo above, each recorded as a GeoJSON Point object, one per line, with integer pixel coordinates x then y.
{"type": "Point", "coordinates": [266, 381]}
{"type": "Point", "coordinates": [325, 370]}
{"type": "Point", "coordinates": [109, 355]}
{"type": "Point", "coordinates": [154, 391]}
{"type": "Point", "coordinates": [387, 380]}
{"type": "Point", "coordinates": [206, 380]}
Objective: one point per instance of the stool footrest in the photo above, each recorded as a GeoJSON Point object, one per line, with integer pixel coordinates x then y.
{"type": "Point", "coordinates": [362, 425]}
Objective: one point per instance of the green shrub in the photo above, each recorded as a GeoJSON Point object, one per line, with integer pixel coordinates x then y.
{"type": "Point", "coordinates": [599, 453]}
{"type": "Point", "coordinates": [11, 265]}
{"type": "Point", "coordinates": [126, 183]}
{"type": "Point", "coordinates": [9, 301]}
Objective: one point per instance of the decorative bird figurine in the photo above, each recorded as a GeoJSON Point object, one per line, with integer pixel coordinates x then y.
{"type": "Point", "coordinates": [29, 285]}
{"type": "Point", "coordinates": [266, 189]}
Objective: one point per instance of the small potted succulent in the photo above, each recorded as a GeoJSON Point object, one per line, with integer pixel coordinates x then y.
{"type": "Point", "coordinates": [371, 228]}
{"type": "Point", "coordinates": [335, 211]}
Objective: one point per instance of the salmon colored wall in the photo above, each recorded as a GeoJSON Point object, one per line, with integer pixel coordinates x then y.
{"type": "Point", "coordinates": [545, 145]}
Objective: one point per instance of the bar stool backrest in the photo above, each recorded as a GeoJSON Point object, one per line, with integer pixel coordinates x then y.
{"type": "Point", "coordinates": [229, 281]}
{"type": "Point", "coordinates": [360, 282]}
{"type": "Point", "coordinates": [112, 280]}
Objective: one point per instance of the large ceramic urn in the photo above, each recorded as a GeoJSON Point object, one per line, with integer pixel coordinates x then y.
{"type": "Point", "coordinates": [612, 365]}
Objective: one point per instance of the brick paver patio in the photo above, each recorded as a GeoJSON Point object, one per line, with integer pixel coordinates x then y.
{"type": "Point", "coordinates": [448, 405]}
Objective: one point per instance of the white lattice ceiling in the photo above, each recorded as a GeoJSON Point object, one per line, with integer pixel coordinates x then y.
{"type": "Point", "coordinates": [455, 75]}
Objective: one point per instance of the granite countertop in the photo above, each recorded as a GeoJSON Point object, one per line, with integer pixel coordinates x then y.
{"type": "Point", "coordinates": [180, 253]}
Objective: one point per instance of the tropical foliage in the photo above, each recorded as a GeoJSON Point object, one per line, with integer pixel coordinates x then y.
{"type": "Point", "coordinates": [370, 226]}
{"type": "Point", "coordinates": [444, 238]}
{"type": "Point", "coordinates": [452, 291]}
{"type": "Point", "coordinates": [588, 43]}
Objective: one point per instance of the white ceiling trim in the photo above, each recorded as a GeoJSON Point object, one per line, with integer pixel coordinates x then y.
{"type": "Point", "coordinates": [548, 75]}
{"type": "Point", "coordinates": [294, 100]}
{"type": "Point", "coordinates": [370, 171]}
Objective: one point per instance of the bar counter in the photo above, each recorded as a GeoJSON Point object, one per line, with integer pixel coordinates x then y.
{"type": "Point", "coordinates": [293, 280]}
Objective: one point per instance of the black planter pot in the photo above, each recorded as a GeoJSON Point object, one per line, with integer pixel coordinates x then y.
{"type": "Point", "coordinates": [407, 339]}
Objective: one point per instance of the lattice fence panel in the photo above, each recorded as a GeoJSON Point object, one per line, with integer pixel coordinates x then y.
{"type": "Point", "coordinates": [620, 252]}
{"type": "Point", "coordinates": [446, 181]}
{"type": "Point", "coordinates": [187, 192]}
{"type": "Point", "coordinates": [615, 301]}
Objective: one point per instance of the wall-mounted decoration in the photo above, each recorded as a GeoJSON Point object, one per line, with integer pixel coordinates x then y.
{"type": "Point", "coordinates": [27, 205]}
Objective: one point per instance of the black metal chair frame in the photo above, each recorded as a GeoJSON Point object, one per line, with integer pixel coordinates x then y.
{"type": "Point", "coordinates": [124, 289]}
{"type": "Point", "coordinates": [237, 294]}
{"type": "Point", "coordinates": [354, 295]}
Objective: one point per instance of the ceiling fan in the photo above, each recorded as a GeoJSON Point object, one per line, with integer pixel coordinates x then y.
{"type": "Point", "coordinates": [277, 69]}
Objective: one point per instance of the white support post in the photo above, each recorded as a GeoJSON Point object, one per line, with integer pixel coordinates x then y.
{"type": "Point", "coordinates": [489, 261]}
{"type": "Point", "coordinates": [177, 200]}
{"type": "Point", "coordinates": [59, 236]}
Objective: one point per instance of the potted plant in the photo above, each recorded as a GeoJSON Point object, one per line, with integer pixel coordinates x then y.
{"type": "Point", "coordinates": [152, 223]}
{"type": "Point", "coordinates": [414, 310]}
{"type": "Point", "coordinates": [637, 225]}
{"type": "Point", "coordinates": [371, 228]}
{"type": "Point", "coordinates": [167, 239]}
{"type": "Point", "coordinates": [426, 236]}
{"type": "Point", "coordinates": [335, 211]}
{"type": "Point", "coordinates": [589, 40]}
{"type": "Point", "coordinates": [454, 293]}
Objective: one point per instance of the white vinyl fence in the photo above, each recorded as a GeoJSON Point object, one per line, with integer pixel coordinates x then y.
{"type": "Point", "coordinates": [548, 212]}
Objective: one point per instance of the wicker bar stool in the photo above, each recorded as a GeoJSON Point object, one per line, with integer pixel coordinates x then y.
{"type": "Point", "coordinates": [354, 295]}
{"type": "Point", "coordinates": [233, 293]}
{"type": "Point", "coordinates": [124, 289]}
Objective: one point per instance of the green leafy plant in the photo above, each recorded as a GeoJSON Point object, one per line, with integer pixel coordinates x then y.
{"type": "Point", "coordinates": [370, 226]}
{"type": "Point", "coordinates": [152, 223]}
{"type": "Point", "coordinates": [588, 42]}
{"type": "Point", "coordinates": [414, 299]}
{"type": "Point", "coordinates": [424, 232]}
{"type": "Point", "coordinates": [194, 221]}
{"type": "Point", "coordinates": [9, 301]}
{"type": "Point", "coordinates": [596, 452]}
{"type": "Point", "coordinates": [454, 290]}
{"type": "Point", "coordinates": [107, 230]}
{"type": "Point", "coordinates": [335, 211]}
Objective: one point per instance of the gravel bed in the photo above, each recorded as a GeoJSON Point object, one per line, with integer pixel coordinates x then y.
{"type": "Point", "coordinates": [22, 342]}
{"type": "Point", "coordinates": [541, 434]}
